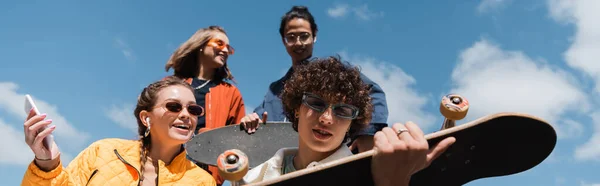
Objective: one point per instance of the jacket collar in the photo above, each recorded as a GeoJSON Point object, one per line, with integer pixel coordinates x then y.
{"type": "Point", "coordinates": [174, 171]}
{"type": "Point", "coordinates": [342, 152]}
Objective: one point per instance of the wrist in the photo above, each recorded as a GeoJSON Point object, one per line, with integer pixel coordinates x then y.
{"type": "Point", "coordinates": [47, 164]}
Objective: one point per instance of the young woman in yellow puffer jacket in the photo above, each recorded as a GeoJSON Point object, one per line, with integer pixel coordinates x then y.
{"type": "Point", "coordinates": [166, 114]}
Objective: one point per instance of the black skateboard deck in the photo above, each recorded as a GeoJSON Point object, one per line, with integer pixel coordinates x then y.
{"type": "Point", "coordinates": [205, 147]}
{"type": "Point", "coordinates": [496, 145]}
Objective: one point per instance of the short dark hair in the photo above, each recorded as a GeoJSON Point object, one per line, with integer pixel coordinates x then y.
{"type": "Point", "coordinates": [298, 12]}
{"type": "Point", "coordinates": [332, 80]}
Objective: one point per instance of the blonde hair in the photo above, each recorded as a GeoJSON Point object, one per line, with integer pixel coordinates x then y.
{"type": "Point", "coordinates": [184, 60]}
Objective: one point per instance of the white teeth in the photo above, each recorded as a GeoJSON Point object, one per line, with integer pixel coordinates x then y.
{"type": "Point", "coordinates": [182, 126]}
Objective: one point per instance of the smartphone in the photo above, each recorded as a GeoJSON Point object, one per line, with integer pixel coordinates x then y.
{"type": "Point", "coordinates": [29, 104]}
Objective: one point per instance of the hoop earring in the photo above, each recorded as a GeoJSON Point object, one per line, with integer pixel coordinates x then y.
{"type": "Point", "coordinates": [296, 115]}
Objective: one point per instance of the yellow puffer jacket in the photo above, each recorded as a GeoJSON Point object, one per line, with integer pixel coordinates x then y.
{"type": "Point", "coordinates": [116, 162]}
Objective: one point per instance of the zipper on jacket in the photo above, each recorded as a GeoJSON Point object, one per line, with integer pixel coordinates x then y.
{"type": "Point", "coordinates": [91, 176]}
{"type": "Point", "coordinates": [127, 163]}
{"type": "Point", "coordinates": [157, 174]}
{"type": "Point", "coordinates": [208, 116]}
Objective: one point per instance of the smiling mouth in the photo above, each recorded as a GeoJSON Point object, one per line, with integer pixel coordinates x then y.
{"type": "Point", "coordinates": [182, 126]}
{"type": "Point", "coordinates": [299, 51]}
{"type": "Point", "coordinates": [222, 56]}
{"type": "Point", "coordinates": [321, 134]}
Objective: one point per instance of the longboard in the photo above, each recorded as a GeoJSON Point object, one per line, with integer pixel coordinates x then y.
{"type": "Point", "coordinates": [495, 145]}
{"type": "Point", "coordinates": [205, 147]}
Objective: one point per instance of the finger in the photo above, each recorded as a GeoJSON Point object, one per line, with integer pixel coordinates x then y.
{"type": "Point", "coordinates": [31, 114]}
{"type": "Point", "coordinates": [439, 149]}
{"type": "Point", "coordinates": [353, 145]}
{"type": "Point", "coordinates": [40, 137]}
{"type": "Point", "coordinates": [32, 131]}
{"type": "Point", "coordinates": [392, 138]}
{"type": "Point", "coordinates": [415, 131]}
{"type": "Point", "coordinates": [254, 116]}
{"type": "Point", "coordinates": [253, 125]}
{"type": "Point", "coordinates": [38, 126]}
{"type": "Point", "coordinates": [33, 120]}
{"type": "Point", "coordinates": [404, 136]}
{"type": "Point", "coordinates": [245, 125]}
{"type": "Point", "coordinates": [264, 118]}
{"type": "Point", "coordinates": [382, 143]}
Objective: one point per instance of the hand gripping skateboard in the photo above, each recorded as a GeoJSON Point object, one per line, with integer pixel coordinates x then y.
{"type": "Point", "coordinates": [495, 145]}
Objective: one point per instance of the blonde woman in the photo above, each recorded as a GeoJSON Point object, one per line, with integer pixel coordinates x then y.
{"type": "Point", "coordinates": [202, 62]}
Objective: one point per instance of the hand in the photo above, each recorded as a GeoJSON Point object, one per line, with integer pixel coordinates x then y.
{"type": "Point", "coordinates": [46, 159]}
{"type": "Point", "coordinates": [251, 121]}
{"type": "Point", "coordinates": [398, 157]}
{"type": "Point", "coordinates": [362, 143]}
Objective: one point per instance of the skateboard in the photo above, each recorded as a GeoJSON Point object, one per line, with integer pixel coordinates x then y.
{"type": "Point", "coordinates": [205, 147]}
{"type": "Point", "coordinates": [494, 145]}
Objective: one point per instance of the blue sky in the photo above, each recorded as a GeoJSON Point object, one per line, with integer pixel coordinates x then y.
{"type": "Point", "coordinates": [85, 63]}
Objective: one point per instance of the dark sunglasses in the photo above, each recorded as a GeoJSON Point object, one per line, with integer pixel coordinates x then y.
{"type": "Point", "coordinates": [341, 110]}
{"type": "Point", "coordinates": [176, 107]}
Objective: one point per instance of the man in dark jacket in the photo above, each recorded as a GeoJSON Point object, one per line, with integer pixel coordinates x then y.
{"type": "Point", "coordinates": [298, 32]}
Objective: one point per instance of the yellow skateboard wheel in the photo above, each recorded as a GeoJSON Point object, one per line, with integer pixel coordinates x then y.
{"type": "Point", "coordinates": [232, 165]}
{"type": "Point", "coordinates": [454, 107]}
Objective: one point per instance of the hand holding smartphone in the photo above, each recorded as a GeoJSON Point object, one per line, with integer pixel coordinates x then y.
{"type": "Point", "coordinates": [29, 105]}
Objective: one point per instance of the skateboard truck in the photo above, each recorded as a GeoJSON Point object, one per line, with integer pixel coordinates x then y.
{"type": "Point", "coordinates": [453, 107]}
{"type": "Point", "coordinates": [232, 164]}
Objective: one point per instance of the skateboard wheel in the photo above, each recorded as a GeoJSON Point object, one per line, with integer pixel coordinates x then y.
{"type": "Point", "coordinates": [232, 165]}
{"type": "Point", "coordinates": [454, 107]}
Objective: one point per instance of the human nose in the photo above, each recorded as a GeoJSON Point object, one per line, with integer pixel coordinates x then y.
{"type": "Point", "coordinates": [184, 114]}
{"type": "Point", "coordinates": [225, 49]}
{"type": "Point", "coordinates": [326, 117]}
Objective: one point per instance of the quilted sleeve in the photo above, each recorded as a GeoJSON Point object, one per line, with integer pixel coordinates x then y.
{"type": "Point", "coordinates": [77, 173]}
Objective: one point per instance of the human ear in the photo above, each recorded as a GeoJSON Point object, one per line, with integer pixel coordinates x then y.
{"type": "Point", "coordinates": [145, 118]}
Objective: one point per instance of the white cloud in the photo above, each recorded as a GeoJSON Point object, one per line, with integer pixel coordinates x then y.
{"type": "Point", "coordinates": [590, 150]}
{"type": "Point", "coordinates": [339, 10]}
{"type": "Point", "coordinates": [125, 49]}
{"type": "Point", "coordinates": [583, 54]}
{"type": "Point", "coordinates": [123, 116]}
{"type": "Point", "coordinates": [361, 12]}
{"type": "Point", "coordinates": [14, 103]}
{"type": "Point", "coordinates": [589, 184]}
{"type": "Point", "coordinates": [13, 139]}
{"type": "Point", "coordinates": [20, 154]}
{"type": "Point", "coordinates": [487, 5]}
{"type": "Point", "coordinates": [494, 80]}
{"type": "Point", "coordinates": [403, 101]}
{"type": "Point", "coordinates": [12, 135]}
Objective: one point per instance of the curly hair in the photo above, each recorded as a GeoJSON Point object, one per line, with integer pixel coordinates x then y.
{"type": "Point", "coordinates": [334, 81]}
